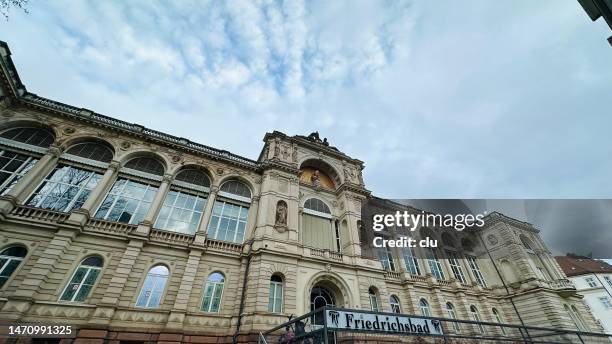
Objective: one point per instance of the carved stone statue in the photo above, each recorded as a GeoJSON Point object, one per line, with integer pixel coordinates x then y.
{"type": "Point", "coordinates": [314, 179]}
{"type": "Point", "coordinates": [281, 214]}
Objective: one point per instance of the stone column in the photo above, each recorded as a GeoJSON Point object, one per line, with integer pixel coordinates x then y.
{"type": "Point", "coordinates": [81, 215]}
{"type": "Point", "coordinates": [106, 308]}
{"type": "Point", "coordinates": [251, 219]}
{"type": "Point", "coordinates": [200, 235]}
{"type": "Point", "coordinates": [25, 186]}
{"type": "Point", "coordinates": [144, 227]}
{"type": "Point", "coordinates": [177, 315]}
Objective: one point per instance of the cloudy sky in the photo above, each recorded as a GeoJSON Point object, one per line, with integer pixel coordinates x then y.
{"type": "Point", "coordinates": [439, 98]}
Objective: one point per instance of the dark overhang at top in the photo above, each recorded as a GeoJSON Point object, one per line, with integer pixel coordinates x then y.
{"type": "Point", "coordinates": [599, 8]}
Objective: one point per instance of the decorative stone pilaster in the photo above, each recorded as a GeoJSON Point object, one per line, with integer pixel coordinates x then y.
{"type": "Point", "coordinates": [144, 227]}
{"type": "Point", "coordinates": [200, 236]}
{"type": "Point", "coordinates": [177, 315]}
{"type": "Point", "coordinates": [25, 186]}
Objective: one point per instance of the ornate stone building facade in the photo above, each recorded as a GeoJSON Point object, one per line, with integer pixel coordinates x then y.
{"type": "Point", "coordinates": [134, 235]}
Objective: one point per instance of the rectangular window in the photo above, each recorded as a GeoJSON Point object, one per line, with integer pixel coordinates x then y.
{"type": "Point", "coordinates": [65, 188]}
{"type": "Point", "coordinates": [275, 304]}
{"type": "Point", "coordinates": [80, 284]}
{"type": "Point", "coordinates": [374, 302]}
{"type": "Point", "coordinates": [128, 202]}
{"type": "Point", "coordinates": [181, 212]}
{"type": "Point", "coordinates": [434, 263]}
{"type": "Point", "coordinates": [476, 271]}
{"type": "Point", "coordinates": [608, 280]}
{"type": "Point", "coordinates": [591, 282]}
{"type": "Point", "coordinates": [13, 166]}
{"type": "Point", "coordinates": [412, 264]}
{"type": "Point", "coordinates": [386, 258]}
{"type": "Point", "coordinates": [228, 222]}
{"type": "Point", "coordinates": [605, 301]}
{"type": "Point", "coordinates": [453, 261]}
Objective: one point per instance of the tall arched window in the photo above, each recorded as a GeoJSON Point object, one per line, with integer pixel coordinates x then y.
{"type": "Point", "coordinates": [395, 304]}
{"type": "Point", "coordinates": [153, 287]}
{"type": "Point", "coordinates": [10, 258]}
{"type": "Point", "coordinates": [68, 185]}
{"type": "Point", "coordinates": [476, 317]}
{"type": "Point", "coordinates": [275, 304]}
{"type": "Point", "coordinates": [230, 213]}
{"type": "Point", "coordinates": [434, 263]}
{"type": "Point", "coordinates": [213, 291]}
{"type": "Point", "coordinates": [386, 258]}
{"type": "Point", "coordinates": [424, 306]}
{"type": "Point", "coordinates": [453, 261]}
{"type": "Point", "coordinates": [411, 261]}
{"type": "Point", "coordinates": [130, 197]}
{"type": "Point", "coordinates": [450, 311]}
{"type": "Point", "coordinates": [317, 226]}
{"type": "Point", "coordinates": [83, 280]}
{"type": "Point", "coordinates": [184, 204]}
{"type": "Point", "coordinates": [476, 271]}
{"type": "Point", "coordinates": [373, 299]}
{"type": "Point", "coordinates": [15, 158]}
{"type": "Point", "coordinates": [498, 318]}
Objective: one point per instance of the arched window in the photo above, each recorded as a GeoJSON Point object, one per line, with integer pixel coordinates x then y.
{"type": "Point", "coordinates": [498, 318]}
{"type": "Point", "coordinates": [33, 136]}
{"type": "Point", "coordinates": [83, 280]}
{"type": "Point", "coordinates": [183, 207]}
{"type": "Point", "coordinates": [92, 150]}
{"type": "Point", "coordinates": [434, 263]}
{"type": "Point", "coordinates": [213, 291]}
{"type": "Point", "coordinates": [424, 306]}
{"type": "Point", "coordinates": [129, 199]}
{"type": "Point", "coordinates": [476, 317]}
{"type": "Point", "coordinates": [318, 229]}
{"type": "Point", "coordinates": [453, 261]}
{"type": "Point", "coordinates": [275, 304]}
{"type": "Point", "coordinates": [526, 242]}
{"type": "Point", "coordinates": [447, 240]}
{"type": "Point", "coordinates": [153, 287]}
{"type": "Point", "coordinates": [147, 165]}
{"type": "Point", "coordinates": [13, 165]}
{"type": "Point", "coordinates": [10, 258]}
{"type": "Point", "coordinates": [373, 299]}
{"type": "Point", "coordinates": [230, 213]}
{"type": "Point", "coordinates": [395, 304]}
{"type": "Point", "coordinates": [476, 271]}
{"type": "Point", "coordinates": [386, 258]}
{"type": "Point", "coordinates": [411, 261]}
{"type": "Point", "coordinates": [450, 311]}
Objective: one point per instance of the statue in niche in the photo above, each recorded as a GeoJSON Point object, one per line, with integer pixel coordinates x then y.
{"type": "Point", "coordinates": [314, 179]}
{"type": "Point", "coordinates": [281, 213]}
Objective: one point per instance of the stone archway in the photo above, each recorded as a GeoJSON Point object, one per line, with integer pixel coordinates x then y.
{"type": "Point", "coordinates": [330, 283]}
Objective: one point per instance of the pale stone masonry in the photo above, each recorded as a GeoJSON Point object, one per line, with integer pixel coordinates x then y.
{"type": "Point", "coordinates": [289, 171]}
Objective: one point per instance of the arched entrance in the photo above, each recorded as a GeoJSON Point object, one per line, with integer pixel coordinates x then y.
{"type": "Point", "coordinates": [320, 297]}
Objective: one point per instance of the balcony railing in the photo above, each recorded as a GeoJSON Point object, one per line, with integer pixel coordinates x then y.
{"type": "Point", "coordinates": [223, 246]}
{"type": "Point", "coordinates": [171, 237]}
{"type": "Point", "coordinates": [103, 226]}
{"type": "Point", "coordinates": [39, 214]}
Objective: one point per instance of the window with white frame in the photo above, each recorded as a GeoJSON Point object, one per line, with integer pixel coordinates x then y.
{"type": "Point", "coordinates": [10, 258]}
{"type": "Point", "coordinates": [131, 196]}
{"type": "Point", "coordinates": [605, 301]}
{"type": "Point", "coordinates": [476, 317]}
{"type": "Point", "coordinates": [153, 287]}
{"type": "Point", "coordinates": [373, 299]}
{"type": "Point", "coordinates": [410, 259]}
{"type": "Point", "coordinates": [498, 319]}
{"type": "Point", "coordinates": [230, 212]}
{"type": "Point", "coordinates": [275, 302]}
{"type": "Point", "coordinates": [453, 261]}
{"type": "Point", "coordinates": [450, 311]}
{"type": "Point", "coordinates": [213, 291]}
{"type": "Point", "coordinates": [434, 263]}
{"type": "Point", "coordinates": [608, 280]}
{"type": "Point", "coordinates": [13, 166]}
{"type": "Point", "coordinates": [591, 282]}
{"type": "Point", "coordinates": [65, 188]}
{"type": "Point", "coordinates": [424, 306]}
{"type": "Point", "coordinates": [184, 205]}
{"type": "Point", "coordinates": [476, 271]}
{"type": "Point", "coordinates": [395, 304]}
{"type": "Point", "coordinates": [386, 258]}
{"type": "Point", "coordinates": [83, 280]}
